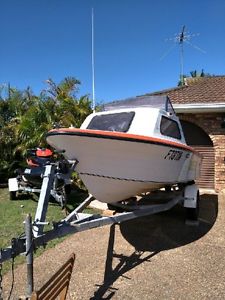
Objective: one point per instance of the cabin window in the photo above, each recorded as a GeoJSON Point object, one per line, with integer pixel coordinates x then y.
{"type": "Point", "coordinates": [112, 122]}
{"type": "Point", "coordinates": [170, 128]}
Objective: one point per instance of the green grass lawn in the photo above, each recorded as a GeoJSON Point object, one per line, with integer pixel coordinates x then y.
{"type": "Point", "coordinates": [13, 213]}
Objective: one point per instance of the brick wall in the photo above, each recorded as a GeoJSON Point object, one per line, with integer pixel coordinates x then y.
{"type": "Point", "coordinates": [211, 124]}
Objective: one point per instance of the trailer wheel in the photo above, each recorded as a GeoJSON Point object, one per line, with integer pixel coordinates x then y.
{"type": "Point", "coordinates": [168, 188]}
{"type": "Point", "coordinates": [12, 195]}
{"type": "Point", "coordinates": [193, 213]}
{"type": "Point", "coordinates": [67, 188]}
{"type": "Point", "coordinates": [115, 208]}
{"type": "Point", "coordinates": [110, 206]}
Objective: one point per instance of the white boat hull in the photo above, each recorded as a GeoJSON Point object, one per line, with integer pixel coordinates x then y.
{"type": "Point", "coordinates": [116, 167]}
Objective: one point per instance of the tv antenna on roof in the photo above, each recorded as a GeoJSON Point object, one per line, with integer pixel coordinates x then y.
{"type": "Point", "coordinates": [180, 39]}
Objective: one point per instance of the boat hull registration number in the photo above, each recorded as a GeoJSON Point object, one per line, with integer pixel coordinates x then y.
{"type": "Point", "coordinates": [173, 155]}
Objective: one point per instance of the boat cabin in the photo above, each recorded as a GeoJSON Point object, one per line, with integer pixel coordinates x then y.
{"type": "Point", "coordinates": [152, 116]}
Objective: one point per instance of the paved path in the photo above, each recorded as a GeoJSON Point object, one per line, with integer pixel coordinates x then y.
{"type": "Point", "coordinates": [155, 257]}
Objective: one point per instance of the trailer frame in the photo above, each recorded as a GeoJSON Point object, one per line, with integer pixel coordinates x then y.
{"type": "Point", "coordinates": [77, 221]}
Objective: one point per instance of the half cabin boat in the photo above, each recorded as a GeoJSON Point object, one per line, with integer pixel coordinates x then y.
{"type": "Point", "coordinates": [132, 146]}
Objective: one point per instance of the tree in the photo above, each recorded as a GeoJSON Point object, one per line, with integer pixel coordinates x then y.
{"type": "Point", "coordinates": [67, 88]}
{"type": "Point", "coordinates": [26, 118]}
{"type": "Point", "coordinates": [11, 109]}
{"type": "Point", "coordinates": [66, 107]}
{"type": "Point", "coordinates": [56, 106]}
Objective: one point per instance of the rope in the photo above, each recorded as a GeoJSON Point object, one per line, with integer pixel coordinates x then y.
{"type": "Point", "coordinates": [1, 296]}
{"type": "Point", "coordinates": [122, 179]}
{"type": "Point", "coordinates": [12, 285]}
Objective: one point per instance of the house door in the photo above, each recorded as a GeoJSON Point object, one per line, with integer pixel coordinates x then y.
{"type": "Point", "coordinates": [197, 138]}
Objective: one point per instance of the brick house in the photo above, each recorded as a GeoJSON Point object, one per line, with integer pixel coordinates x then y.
{"type": "Point", "coordinates": [200, 105]}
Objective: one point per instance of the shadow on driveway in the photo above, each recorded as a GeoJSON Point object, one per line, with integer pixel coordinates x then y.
{"type": "Point", "coordinates": [168, 230]}
{"type": "Point", "coordinates": [151, 235]}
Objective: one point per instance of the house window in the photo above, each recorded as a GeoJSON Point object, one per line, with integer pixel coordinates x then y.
{"type": "Point", "coordinates": [170, 128]}
{"type": "Point", "coordinates": [112, 122]}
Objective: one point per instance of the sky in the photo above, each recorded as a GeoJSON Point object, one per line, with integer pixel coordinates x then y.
{"type": "Point", "coordinates": [134, 48]}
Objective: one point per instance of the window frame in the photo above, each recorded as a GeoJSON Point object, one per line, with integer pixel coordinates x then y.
{"type": "Point", "coordinates": [172, 121]}
{"type": "Point", "coordinates": [131, 117]}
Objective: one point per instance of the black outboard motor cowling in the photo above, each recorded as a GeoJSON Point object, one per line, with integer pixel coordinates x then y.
{"type": "Point", "coordinates": [37, 159]}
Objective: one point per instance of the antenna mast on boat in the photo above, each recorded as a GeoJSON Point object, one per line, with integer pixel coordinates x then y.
{"type": "Point", "coordinates": [92, 60]}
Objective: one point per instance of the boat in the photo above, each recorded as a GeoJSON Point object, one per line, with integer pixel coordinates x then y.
{"type": "Point", "coordinates": [130, 147]}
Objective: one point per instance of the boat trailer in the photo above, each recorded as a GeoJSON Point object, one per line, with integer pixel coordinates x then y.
{"type": "Point", "coordinates": [77, 221]}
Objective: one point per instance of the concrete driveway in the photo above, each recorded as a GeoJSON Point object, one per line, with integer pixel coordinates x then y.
{"type": "Point", "coordinates": [155, 257]}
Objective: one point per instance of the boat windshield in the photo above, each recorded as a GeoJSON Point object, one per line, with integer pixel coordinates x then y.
{"type": "Point", "coordinates": [112, 122]}
{"type": "Point", "coordinates": [161, 102]}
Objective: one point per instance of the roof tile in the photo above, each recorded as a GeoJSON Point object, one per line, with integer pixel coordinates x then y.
{"type": "Point", "coordinates": [197, 90]}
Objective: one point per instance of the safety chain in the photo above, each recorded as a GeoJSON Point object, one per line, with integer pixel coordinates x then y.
{"type": "Point", "coordinates": [1, 295]}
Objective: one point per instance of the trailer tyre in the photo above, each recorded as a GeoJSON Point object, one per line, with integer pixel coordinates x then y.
{"type": "Point", "coordinates": [12, 195]}
{"type": "Point", "coordinates": [193, 213]}
{"type": "Point", "coordinates": [67, 189]}
{"type": "Point", "coordinates": [111, 207]}
{"type": "Point", "coordinates": [115, 208]}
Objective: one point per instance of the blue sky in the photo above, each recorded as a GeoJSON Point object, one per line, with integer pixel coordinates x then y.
{"type": "Point", "coordinates": [52, 39]}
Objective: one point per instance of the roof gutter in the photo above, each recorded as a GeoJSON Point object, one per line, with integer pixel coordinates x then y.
{"type": "Point", "coordinates": [199, 108]}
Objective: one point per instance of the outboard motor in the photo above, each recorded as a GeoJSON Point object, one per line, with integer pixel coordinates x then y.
{"type": "Point", "coordinates": [37, 159]}
{"type": "Point", "coordinates": [30, 179]}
